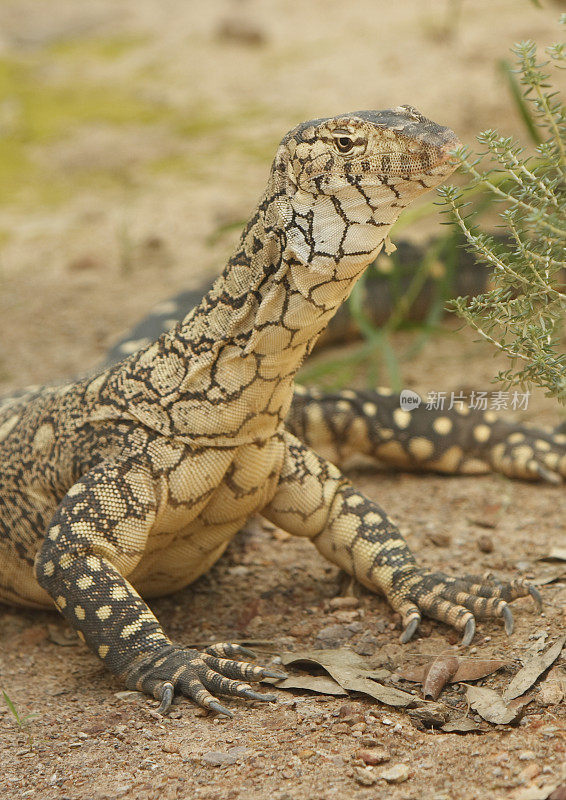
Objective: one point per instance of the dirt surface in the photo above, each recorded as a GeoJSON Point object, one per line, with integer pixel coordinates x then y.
{"type": "Point", "coordinates": [135, 135]}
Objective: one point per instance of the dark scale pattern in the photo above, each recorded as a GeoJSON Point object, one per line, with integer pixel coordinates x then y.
{"type": "Point", "coordinates": [131, 483]}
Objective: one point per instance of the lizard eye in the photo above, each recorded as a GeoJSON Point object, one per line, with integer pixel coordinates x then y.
{"type": "Point", "coordinates": [344, 144]}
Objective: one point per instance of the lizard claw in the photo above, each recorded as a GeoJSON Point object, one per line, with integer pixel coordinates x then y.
{"type": "Point", "coordinates": [469, 632]}
{"type": "Point", "coordinates": [213, 706]}
{"type": "Point", "coordinates": [273, 673]}
{"type": "Point", "coordinates": [537, 597]}
{"type": "Point", "coordinates": [167, 692]}
{"type": "Point", "coordinates": [409, 631]}
{"type": "Point", "coordinates": [264, 698]}
{"type": "Point", "coordinates": [507, 615]}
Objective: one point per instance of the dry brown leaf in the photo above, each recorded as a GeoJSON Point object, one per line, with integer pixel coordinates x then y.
{"type": "Point", "coordinates": [319, 684]}
{"type": "Point", "coordinates": [352, 673]}
{"type": "Point", "coordinates": [462, 725]}
{"type": "Point", "coordinates": [491, 706]}
{"type": "Point", "coordinates": [550, 574]}
{"type": "Point", "coordinates": [468, 670]}
{"type": "Point", "coordinates": [555, 554]}
{"type": "Point", "coordinates": [440, 673]}
{"type": "Point", "coordinates": [532, 670]}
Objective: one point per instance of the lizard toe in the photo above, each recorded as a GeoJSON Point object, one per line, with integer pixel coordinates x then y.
{"type": "Point", "coordinates": [458, 602]}
{"type": "Point", "coordinates": [228, 650]}
{"type": "Point", "coordinates": [240, 670]}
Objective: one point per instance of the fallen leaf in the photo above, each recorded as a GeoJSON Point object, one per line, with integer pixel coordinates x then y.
{"type": "Point", "coordinates": [468, 670]}
{"type": "Point", "coordinates": [439, 674]}
{"type": "Point", "coordinates": [320, 684]}
{"type": "Point", "coordinates": [550, 575]}
{"type": "Point", "coordinates": [352, 673]}
{"type": "Point", "coordinates": [532, 670]}
{"type": "Point", "coordinates": [555, 554]}
{"type": "Point", "coordinates": [490, 706]}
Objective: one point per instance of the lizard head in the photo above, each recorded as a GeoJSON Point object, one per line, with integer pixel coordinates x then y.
{"type": "Point", "coordinates": [343, 181]}
{"type": "Point", "coordinates": [396, 148]}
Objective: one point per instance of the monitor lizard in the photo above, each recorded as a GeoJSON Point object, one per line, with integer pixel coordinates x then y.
{"type": "Point", "coordinates": [130, 483]}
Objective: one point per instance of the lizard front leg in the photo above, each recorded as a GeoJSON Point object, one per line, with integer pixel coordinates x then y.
{"type": "Point", "coordinates": [314, 499]}
{"type": "Point", "coordinates": [456, 441]}
{"type": "Point", "coordinates": [97, 536]}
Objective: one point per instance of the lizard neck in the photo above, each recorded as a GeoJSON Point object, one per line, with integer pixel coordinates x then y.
{"type": "Point", "coordinates": [234, 357]}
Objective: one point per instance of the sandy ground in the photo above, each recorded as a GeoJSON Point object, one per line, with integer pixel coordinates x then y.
{"type": "Point", "coordinates": [136, 136]}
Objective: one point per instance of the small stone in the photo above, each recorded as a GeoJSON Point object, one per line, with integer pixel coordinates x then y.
{"type": "Point", "coordinates": [551, 694]}
{"type": "Point", "coordinates": [375, 755]}
{"type": "Point", "coordinates": [365, 776]}
{"type": "Point", "coordinates": [332, 636]}
{"type": "Point", "coordinates": [171, 747]}
{"type": "Point", "coordinates": [215, 758]}
{"type": "Point", "coordinates": [240, 30]}
{"type": "Point", "coordinates": [439, 538]}
{"type": "Point", "coordinates": [347, 615]}
{"type": "Point", "coordinates": [395, 774]}
{"type": "Point", "coordinates": [499, 758]}
{"type": "Point", "coordinates": [368, 741]}
{"type": "Point", "coordinates": [351, 711]}
{"type": "Point", "coordinates": [433, 715]}
{"type": "Point", "coordinates": [530, 772]}
{"type": "Point", "coordinates": [526, 755]}
{"type": "Point", "coordinates": [340, 727]}
{"type": "Point", "coordinates": [343, 602]}
{"type": "Point", "coordinates": [485, 543]}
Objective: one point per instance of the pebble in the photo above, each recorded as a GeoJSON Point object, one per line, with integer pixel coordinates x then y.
{"type": "Point", "coordinates": [439, 538]}
{"type": "Point", "coordinates": [551, 694]}
{"type": "Point", "coordinates": [343, 602]}
{"type": "Point", "coordinates": [526, 755]}
{"type": "Point", "coordinates": [307, 752]}
{"type": "Point", "coordinates": [364, 776]}
{"type": "Point", "coordinates": [171, 747]}
{"type": "Point", "coordinates": [395, 774]}
{"type": "Point", "coordinates": [374, 755]}
{"type": "Point", "coordinates": [485, 543]}
{"type": "Point", "coordinates": [333, 636]}
{"type": "Point", "coordinates": [215, 758]}
{"type": "Point", "coordinates": [347, 616]}
{"type": "Point", "coordinates": [530, 772]}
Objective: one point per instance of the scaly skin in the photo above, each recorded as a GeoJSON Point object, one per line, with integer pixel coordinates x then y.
{"type": "Point", "coordinates": [131, 483]}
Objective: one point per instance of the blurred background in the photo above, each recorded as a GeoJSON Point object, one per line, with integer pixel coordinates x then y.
{"type": "Point", "coordinates": [136, 136]}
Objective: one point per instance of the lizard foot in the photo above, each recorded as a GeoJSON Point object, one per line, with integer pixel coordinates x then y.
{"type": "Point", "coordinates": [455, 601]}
{"type": "Point", "coordinates": [531, 454]}
{"type": "Point", "coordinates": [175, 670]}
